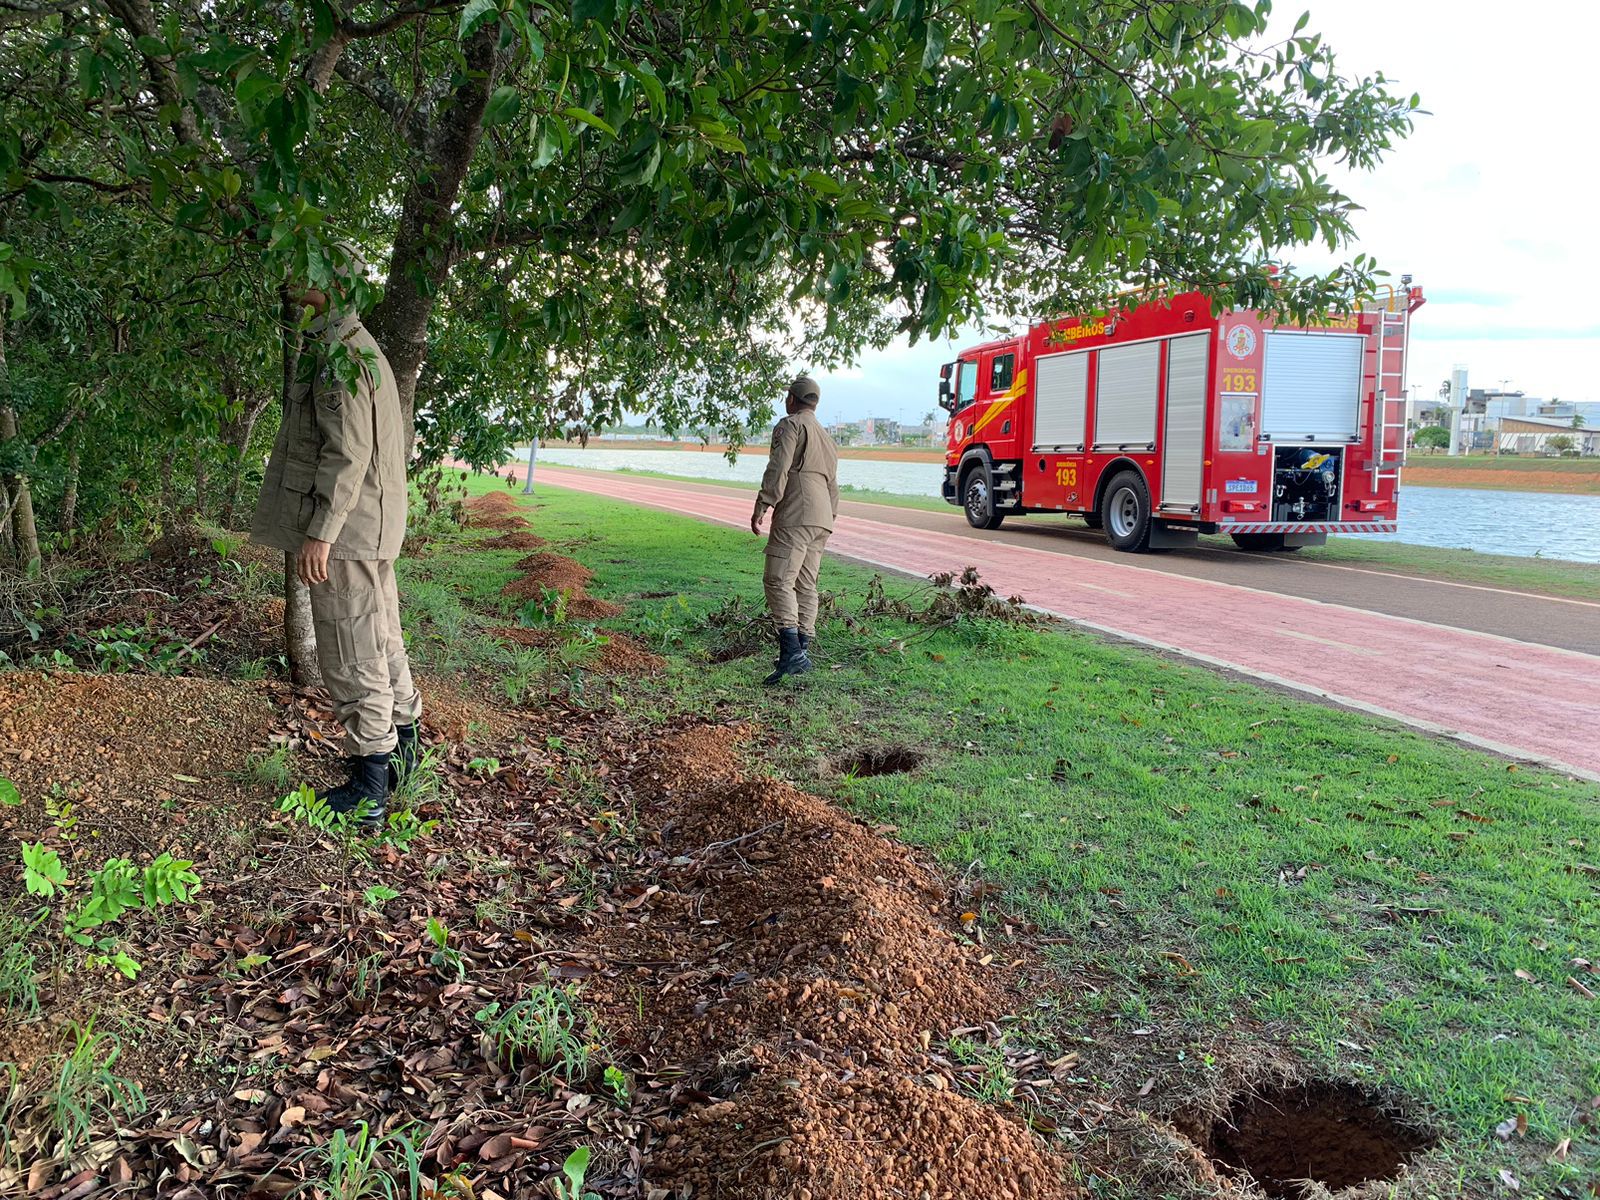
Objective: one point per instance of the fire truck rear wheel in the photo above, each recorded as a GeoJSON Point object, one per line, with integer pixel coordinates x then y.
{"type": "Point", "coordinates": [977, 497]}
{"type": "Point", "coordinates": [1126, 512]}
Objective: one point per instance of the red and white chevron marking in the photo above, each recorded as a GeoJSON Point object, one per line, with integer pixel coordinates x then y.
{"type": "Point", "coordinates": [1310, 527]}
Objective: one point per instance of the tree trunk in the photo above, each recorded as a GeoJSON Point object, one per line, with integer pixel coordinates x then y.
{"type": "Point", "coordinates": [237, 438]}
{"type": "Point", "coordinates": [200, 478]}
{"type": "Point", "coordinates": [69, 492]}
{"type": "Point", "coordinates": [24, 530]}
{"type": "Point", "coordinates": [299, 634]}
{"type": "Point", "coordinates": [169, 492]}
{"type": "Point", "coordinates": [424, 242]}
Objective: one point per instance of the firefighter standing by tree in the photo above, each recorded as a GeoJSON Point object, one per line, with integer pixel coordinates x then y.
{"type": "Point", "coordinates": [335, 497]}
{"type": "Point", "coordinates": [801, 487]}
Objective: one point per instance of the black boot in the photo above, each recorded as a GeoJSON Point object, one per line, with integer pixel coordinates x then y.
{"type": "Point", "coordinates": [792, 659]}
{"type": "Point", "coordinates": [369, 781]}
{"type": "Point", "coordinates": [407, 750]}
{"type": "Point", "coordinates": [805, 642]}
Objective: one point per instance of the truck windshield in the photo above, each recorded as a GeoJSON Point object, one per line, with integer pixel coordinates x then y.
{"type": "Point", "coordinates": [966, 384]}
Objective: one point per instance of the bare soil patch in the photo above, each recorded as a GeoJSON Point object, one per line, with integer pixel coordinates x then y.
{"type": "Point", "coordinates": [1286, 1136]}
{"type": "Point", "coordinates": [875, 760]}
{"type": "Point", "coordinates": [1506, 479]}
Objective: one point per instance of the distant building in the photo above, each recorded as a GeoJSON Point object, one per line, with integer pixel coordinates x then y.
{"type": "Point", "coordinates": [1532, 435]}
{"type": "Point", "coordinates": [878, 431]}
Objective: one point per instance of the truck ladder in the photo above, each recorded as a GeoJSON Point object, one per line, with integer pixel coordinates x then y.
{"type": "Point", "coordinates": [1390, 414]}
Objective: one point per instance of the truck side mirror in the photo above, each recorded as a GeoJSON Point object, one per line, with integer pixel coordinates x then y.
{"type": "Point", "coordinates": [946, 396]}
{"type": "Point", "coordinates": [944, 371]}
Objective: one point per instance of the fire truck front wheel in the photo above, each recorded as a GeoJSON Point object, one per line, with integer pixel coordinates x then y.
{"type": "Point", "coordinates": [1126, 512]}
{"type": "Point", "coordinates": [977, 497]}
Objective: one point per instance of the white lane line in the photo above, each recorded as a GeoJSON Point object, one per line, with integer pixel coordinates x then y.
{"type": "Point", "coordinates": [1311, 637]}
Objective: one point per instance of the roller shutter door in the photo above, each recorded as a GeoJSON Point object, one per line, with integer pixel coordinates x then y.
{"type": "Point", "coordinates": [1311, 387]}
{"type": "Point", "coordinates": [1060, 396]}
{"type": "Point", "coordinates": [1125, 396]}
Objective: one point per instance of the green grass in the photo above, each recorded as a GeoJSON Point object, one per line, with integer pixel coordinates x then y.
{"type": "Point", "coordinates": [1553, 577]}
{"type": "Point", "coordinates": [1545, 576]}
{"type": "Point", "coordinates": [1347, 888]}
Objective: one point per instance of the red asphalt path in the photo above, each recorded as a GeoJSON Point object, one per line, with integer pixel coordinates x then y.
{"type": "Point", "coordinates": [1538, 703]}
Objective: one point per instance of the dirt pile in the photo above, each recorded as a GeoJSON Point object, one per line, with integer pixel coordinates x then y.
{"type": "Point", "coordinates": [494, 510]}
{"type": "Point", "coordinates": [617, 655]}
{"type": "Point", "coordinates": [800, 1132]}
{"type": "Point", "coordinates": [810, 967]}
{"type": "Point", "coordinates": [513, 541]}
{"type": "Point", "coordinates": [544, 574]}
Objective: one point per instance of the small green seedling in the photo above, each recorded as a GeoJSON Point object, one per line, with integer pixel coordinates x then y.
{"type": "Point", "coordinates": [573, 1172]}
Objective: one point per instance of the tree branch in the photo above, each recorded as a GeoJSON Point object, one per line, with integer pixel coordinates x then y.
{"type": "Point", "coordinates": [140, 21]}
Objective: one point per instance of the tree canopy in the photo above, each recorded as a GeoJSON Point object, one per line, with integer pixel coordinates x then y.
{"type": "Point", "coordinates": [580, 208]}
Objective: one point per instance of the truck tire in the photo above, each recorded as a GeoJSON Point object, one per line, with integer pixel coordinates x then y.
{"type": "Point", "coordinates": [1258, 541]}
{"type": "Point", "coordinates": [1126, 512]}
{"type": "Point", "coordinates": [977, 497]}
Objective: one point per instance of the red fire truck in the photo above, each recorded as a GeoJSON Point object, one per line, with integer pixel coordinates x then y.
{"type": "Point", "coordinates": [1165, 421]}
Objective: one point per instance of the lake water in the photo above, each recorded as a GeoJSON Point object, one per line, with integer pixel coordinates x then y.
{"type": "Point", "coordinates": [1523, 523]}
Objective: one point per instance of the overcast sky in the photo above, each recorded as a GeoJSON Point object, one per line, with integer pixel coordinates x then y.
{"type": "Point", "coordinates": [1493, 204]}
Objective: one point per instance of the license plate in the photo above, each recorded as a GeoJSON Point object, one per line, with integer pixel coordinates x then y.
{"type": "Point", "coordinates": [1235, 486]}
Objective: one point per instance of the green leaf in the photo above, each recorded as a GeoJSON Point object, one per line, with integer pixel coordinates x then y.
{"type": "Point", "coordinates": [9, 795]}
{"type": "Point", "coordinates": [152, 47]}
{"type": "Point", "coordinates": [476, 14]}
{"type": "Point", "coordinates": [933, 48]}
{"type": "Point", "coordinates": [503, 106]}
{"type": "Point", "coordinates": [42, 872]}
{"type": "Point", "coordinates": [584, 11]}
{"type": "Point", "coordinates": [588, 118]}
{"type": "Point", "coordinates": [576, 1167]}
{"type": "Point", "coordinates": [254, 87]}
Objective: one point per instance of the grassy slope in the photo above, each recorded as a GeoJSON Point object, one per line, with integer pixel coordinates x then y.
{"type": "Point", "coordinates": [1520, 573]}
{"type": "Point", "coordinates": [1183, 811]}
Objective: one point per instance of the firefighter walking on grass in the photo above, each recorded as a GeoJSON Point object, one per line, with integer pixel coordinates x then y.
{"type": "Point", "coordinates": [801, 487]}
{"type": "Point", "coordinates": [334, 496]}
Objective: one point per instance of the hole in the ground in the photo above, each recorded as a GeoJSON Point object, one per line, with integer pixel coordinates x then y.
{"type": "Point", "coordinates": [876, 760]}
{"type": "Point", "coordinates": [1329, 1132]}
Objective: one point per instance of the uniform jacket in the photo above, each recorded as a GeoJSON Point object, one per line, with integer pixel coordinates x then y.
{"type": "Point", "coordinates": [338, 469]}
{"type": "Point", "coordinates": [801, 484]}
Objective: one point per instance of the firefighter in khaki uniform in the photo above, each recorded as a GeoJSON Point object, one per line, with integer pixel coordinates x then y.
{"type": "Point", "coordinates": [801, 487]}
{"type": "Point", "coordinates": [334, 496]}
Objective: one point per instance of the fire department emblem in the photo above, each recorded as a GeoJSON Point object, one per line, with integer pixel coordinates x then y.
{"type": "Point", "coordinates": [1241, 341]}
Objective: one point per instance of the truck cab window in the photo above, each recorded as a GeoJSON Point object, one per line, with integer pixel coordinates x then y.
{"type": "Point", "coordinates": [966, 384]}
{"type": "Point", "coordinates": [1001, 371]}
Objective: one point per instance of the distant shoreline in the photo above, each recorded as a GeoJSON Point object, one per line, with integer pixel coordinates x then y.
{"type": "Point", "coordinates": [883, 453]}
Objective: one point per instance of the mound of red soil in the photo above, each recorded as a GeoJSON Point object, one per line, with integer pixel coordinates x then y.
{"type": "Point", "coordinates": [618, 655]}
{"type": "Point", "coordinates": [798, 1132]}
{"type": "Point", "coordinates": [548, 572]}
{"type": "Point", "coordinates": [556, 571]}
{"type": "Point", "coordinates": [796, 945]}
{"type": "Point", "coordinates": [494, 511]}
{"type": "Point", "coordinates": [513, 541]}
{"type": "Point", "coordinates": [553, 572]}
